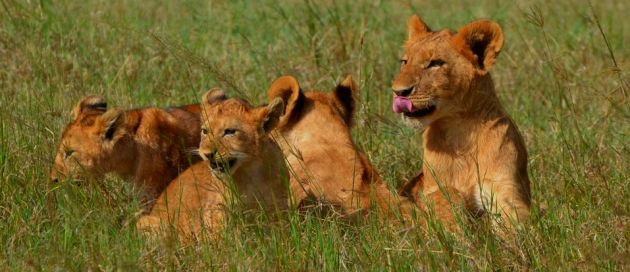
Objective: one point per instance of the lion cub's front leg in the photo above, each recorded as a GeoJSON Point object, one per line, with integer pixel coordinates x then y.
{"type": "Point", "coordinates": [148, 224]}
{"type": "Point", "coordinates": [505, 202]}
{"type": "Point", "coordinates": [440, 204]}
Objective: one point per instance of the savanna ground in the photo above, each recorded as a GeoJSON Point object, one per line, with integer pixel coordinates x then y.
{"type": "Point", "coordinates": [563, 76]}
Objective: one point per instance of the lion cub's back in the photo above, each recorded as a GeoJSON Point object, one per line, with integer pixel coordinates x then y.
{"type": "Point", "coordinates": [188, 118]}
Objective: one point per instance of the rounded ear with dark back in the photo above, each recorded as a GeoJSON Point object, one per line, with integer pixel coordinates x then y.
{"type": "Point", "coordinates": [212, 96]}
{"type": "Point", "coordinates": [92, 103]}
{"type": "Point", "coordinates": [480, 41]}
{"type": "Point", "coordinates": [416, 28]}
{"type": "Point", "coordinates": [111, 121]}
{"type": "Point", "coordinates": [345, 99]}
{"type": "Point", "coordinates": [413, 187]}
{"type": "Point", "coordinates": [272, 113]}
{"type": "Point", "coordinates": [288, 89]}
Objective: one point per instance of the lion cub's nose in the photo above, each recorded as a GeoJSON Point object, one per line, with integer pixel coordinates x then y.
{"type": "Point", "coordinates": [403, 92]}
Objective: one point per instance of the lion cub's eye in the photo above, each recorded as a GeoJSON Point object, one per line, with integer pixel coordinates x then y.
{"type": "Point", "coordinates": [229, 132]}
{"type": "Point", "coordinates": [204, 131]}
{"type": "Point", "coordinates": [435, 63]}
{"type": "Point", "coordinates": [67, 153]}
{"type": "Point", "coordinates": [403, 61]}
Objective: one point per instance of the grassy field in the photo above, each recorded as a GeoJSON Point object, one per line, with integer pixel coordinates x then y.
{"type": "Point", "coordinates": [563, 76]}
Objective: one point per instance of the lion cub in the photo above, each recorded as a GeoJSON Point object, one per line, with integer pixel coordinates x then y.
{"type": "Point", "coordinates": [148, 146]}
{"type": "Point", "coordinates": [471, 146]}
{"type": "Point", "coordinates": [242, 165]}
{"type": "Point", "coordinates": [326, 166]}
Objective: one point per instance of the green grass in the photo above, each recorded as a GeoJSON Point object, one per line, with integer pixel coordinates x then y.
{"type": "Point", "coordinates": [563, 80]}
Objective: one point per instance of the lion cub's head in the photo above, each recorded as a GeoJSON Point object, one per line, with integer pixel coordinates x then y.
{"type": "Point", "coordinates": [233, 133]}
{"type": "Point", "coordinates": [439, 68]}
{"type": "Point", "coordinates": [87, 143]}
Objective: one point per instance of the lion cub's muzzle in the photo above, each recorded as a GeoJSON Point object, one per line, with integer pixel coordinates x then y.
{"type": "Point", "coordinates": [422, 109]}
{"type": "Point", "coordinates": [57, 176]}
{"type": "Point", "coordinates": [221, 164]}
{"type": "Point", "coordinates": [412, 107]}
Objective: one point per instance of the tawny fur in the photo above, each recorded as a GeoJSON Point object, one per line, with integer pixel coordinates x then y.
{"type": "Point", "coordinates": [148, 146]}
{"type": "Point", "coordinates": [441, 204]}
{"type": "Point", "coordinates": [471, 146]}
{"type": "Point", "coordinates": [243, 167]}
{"type": "Point", "coordinates": [325, 164]}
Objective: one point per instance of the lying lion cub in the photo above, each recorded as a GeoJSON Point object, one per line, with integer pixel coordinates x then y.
{"type": "Point", "coordinates": [243, 166]}
{"type": "Point", "coordinates": [471, 146]}
{"type": "Point", "coordinates": [325, 164]}
{"type": "Point", "coordinates": [148, 146]}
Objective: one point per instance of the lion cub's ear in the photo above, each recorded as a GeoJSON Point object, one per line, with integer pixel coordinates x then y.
{"type": "Point", "coordinates": [213, 95]}
{"type": "Point", "coordinates": [416, 28]}
{"type": "Point", "coordinates": [271, 114]}
{"type": "Point", "coordinates": [92, 103]}
{"type": "Point", "coordinates": [112, 121]}
{"type": "Point", "coordinates": [480, 41]}
{"type": "Point", "coordinates": [288, 89]}
{"type": "Point", "coordinates": [345, 99]}
{"type": "Point", "coordinates": [412, 187]}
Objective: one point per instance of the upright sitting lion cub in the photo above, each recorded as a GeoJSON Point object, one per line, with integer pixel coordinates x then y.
{"type": "Point", "coordinates": [326, 166]}
{"type": "Point", "coordinates": [242, 166]}
{"type": "Point", "coordinates": [470, 143]}
{"type": "Point", "coordinates": [148, 146]}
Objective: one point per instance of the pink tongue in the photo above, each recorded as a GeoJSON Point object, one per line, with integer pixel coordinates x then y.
{"type": "Point", "coordinates": [402, 104]}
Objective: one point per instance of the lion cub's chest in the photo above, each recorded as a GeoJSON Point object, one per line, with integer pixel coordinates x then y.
{"type": "Point", "coordinates": [451, 158]}
{"type": "Point", "coordinates": [442, 168]}
{"type": "Point", "coordinates": [467, 159]}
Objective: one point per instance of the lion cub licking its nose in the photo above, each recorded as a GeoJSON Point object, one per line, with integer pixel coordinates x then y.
{"type": "Point", "coordinates": [471, 146]}
{"type": "Point", "coordinates": [242, 165]}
